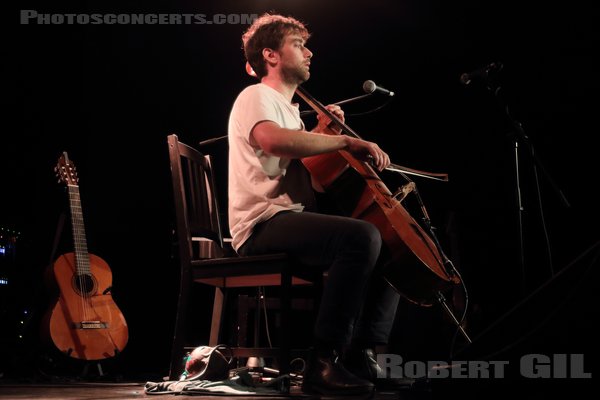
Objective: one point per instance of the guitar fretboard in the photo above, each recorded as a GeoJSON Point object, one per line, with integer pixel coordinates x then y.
{"type": "Point", "coordinates": [81, 252]}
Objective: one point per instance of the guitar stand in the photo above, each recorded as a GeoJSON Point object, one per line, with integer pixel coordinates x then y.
{"type": "Point", "coordinates": [59, 229]}
{"type": "Point", "coordinates": [86, 369]}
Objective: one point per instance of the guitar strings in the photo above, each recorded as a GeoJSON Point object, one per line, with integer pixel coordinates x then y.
{"type": "Point", "coordinates": [80, 258]}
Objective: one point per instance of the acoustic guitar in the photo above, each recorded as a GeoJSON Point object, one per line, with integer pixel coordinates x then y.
{"type": "Point", "coordinates": [85, 323]}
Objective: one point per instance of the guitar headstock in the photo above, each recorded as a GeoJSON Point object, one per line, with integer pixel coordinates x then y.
{"type": "Point", "coordinates": [66, 171]}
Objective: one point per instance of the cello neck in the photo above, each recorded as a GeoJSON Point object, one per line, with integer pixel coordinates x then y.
{"type": "Point", "coordinates": [320, 109]}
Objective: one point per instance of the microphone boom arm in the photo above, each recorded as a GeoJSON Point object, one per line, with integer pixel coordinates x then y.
{"type": "Point", "coordinates": [339, 103]}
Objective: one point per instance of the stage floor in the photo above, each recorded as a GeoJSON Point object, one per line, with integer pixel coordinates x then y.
{"type": "Point", "coordinates": [438, 389]}
{"type": "Point", "coordinates": [135, 390]}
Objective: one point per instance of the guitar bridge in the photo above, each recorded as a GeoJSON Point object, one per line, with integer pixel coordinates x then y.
{"type": "Point", "coordinates": [90, 325]}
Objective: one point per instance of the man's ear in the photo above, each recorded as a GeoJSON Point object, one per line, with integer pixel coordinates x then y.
{"type": "Point", "coordinates": [270, 56]}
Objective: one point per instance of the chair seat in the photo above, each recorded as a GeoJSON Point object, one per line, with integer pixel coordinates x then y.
{"type": "Point", "coordinates": [243, 272]}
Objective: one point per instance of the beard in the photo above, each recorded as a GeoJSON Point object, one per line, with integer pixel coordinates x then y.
{"type": "Point", "coordinates": [295, 74]}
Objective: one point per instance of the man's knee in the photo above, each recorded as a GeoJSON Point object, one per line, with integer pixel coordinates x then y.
{"type": "Point", "coordinates": [370, 236]}
{"type": "Point", "coordinates": [364, 238]}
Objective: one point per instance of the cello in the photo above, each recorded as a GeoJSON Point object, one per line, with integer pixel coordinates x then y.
{"type": "Point", "coordinates": [414, 264]}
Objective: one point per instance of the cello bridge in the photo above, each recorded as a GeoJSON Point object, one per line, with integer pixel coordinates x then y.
{"type": "Point", "coordinates": [403, 191]}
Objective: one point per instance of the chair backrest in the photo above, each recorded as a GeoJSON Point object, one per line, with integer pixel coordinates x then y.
{"type": "Point", "coordinates": [196, 202]}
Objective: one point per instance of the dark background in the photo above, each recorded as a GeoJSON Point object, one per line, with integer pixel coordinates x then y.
{"type": "Point", "coordinates": [110, 94]}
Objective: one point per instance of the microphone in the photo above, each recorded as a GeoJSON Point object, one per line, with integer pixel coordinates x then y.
{"type": "Point", "coordinates": [370, 87]}
{"type": "Point", "coordinates": [481, 74]}
{"type": "Point", "coordinates": [339, 103]}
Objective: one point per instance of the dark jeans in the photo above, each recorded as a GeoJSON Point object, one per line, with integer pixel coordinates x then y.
{"type": "Point", "coordinates": [350, 248]}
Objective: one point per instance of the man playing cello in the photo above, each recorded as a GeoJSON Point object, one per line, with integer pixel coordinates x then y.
{"type": "Point", "coordinates": [272, 208]}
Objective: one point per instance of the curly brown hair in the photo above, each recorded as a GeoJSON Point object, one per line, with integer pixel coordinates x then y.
{"type": "Point", "coordinates": [268, 31]}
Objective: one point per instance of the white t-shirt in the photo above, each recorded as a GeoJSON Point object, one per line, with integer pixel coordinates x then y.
{"type": "Point", "coordinates": [261, 185]}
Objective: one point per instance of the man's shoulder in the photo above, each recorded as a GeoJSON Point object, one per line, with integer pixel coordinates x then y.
{"type": "Point", "coordinates": [257, 94]}
{"type": "Point", "coordinates": [257, 88]}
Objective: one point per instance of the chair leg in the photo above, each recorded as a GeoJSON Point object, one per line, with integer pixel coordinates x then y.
{"type": "Point", "coordinates": [286, 306]}
{"type": "Point", "coordinates": [217, 317]}
{"type": "Point", "coordinates": [177, 349]}
{"type": "Point", "coordinates": [242, 321]}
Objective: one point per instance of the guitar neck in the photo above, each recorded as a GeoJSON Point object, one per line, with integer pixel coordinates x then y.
{"type": "Point", "coordinates": [82, 258]}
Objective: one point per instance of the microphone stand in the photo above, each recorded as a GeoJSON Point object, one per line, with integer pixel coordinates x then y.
{"type": "Point", "coordinates": [520, 137]}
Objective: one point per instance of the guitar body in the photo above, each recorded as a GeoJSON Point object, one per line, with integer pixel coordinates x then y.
{"type": "Point", "coordinates": [85, 322]}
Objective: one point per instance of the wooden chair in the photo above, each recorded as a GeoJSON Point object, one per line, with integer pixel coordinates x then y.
{"type": "Point", "coordinates": [204, 258]}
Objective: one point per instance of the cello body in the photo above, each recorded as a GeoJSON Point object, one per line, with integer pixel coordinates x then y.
{"type": "Point", "coordinates": [413, 265]}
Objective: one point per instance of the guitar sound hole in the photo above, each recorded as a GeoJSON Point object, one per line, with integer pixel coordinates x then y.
{"type": "Point", "coordinates": [84, 284]}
